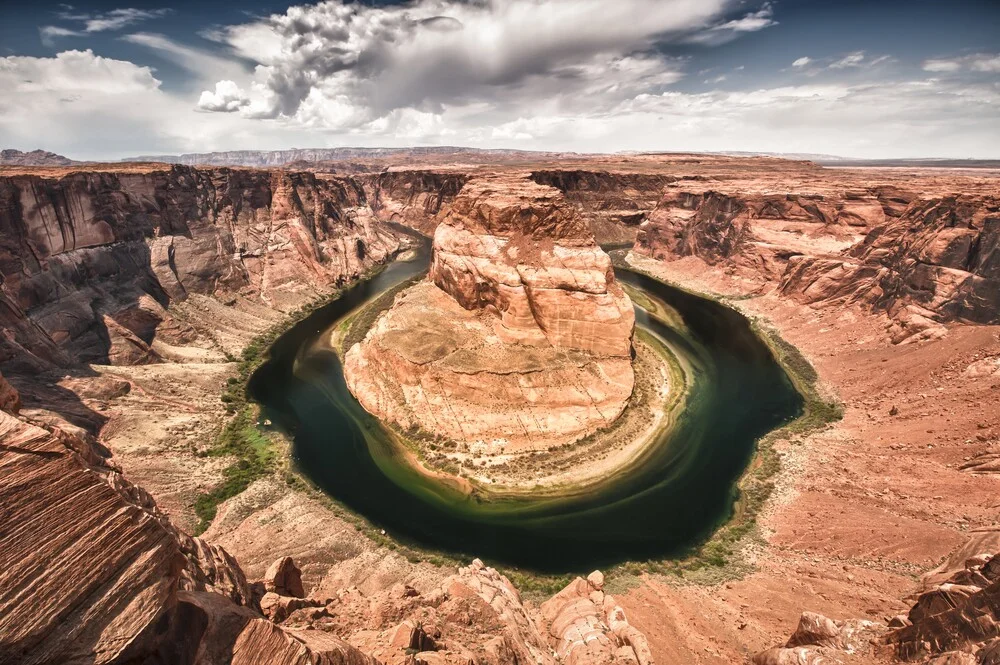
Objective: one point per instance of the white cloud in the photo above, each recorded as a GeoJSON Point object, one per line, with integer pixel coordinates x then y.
{"type": "Point", "coordinates": [90, 107]}
{"type": "Point", "coordinates": [204, 65]}
{"type": "Point", "coordinates": [48, 33]}
{"type": "Point", "coordinates": [855, 59]}
{"type": "Point", "coordinates": [802, 62]}
{"type": "Point", "coordinates": [730, 30]}
{"type": "Point", "coordinates": [116, 19]}
{"type": "Point", "coordinates": [366, 62]}
{"type": "Point", "coordinates": [979, 62]}
{"type": "Point", "coordinates": [227, 97]}
{"type": "Point", "coordinates": [73, 71]}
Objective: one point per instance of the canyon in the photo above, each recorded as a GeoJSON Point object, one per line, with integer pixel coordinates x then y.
{"type": "Point", "coordinates": [131, 293]}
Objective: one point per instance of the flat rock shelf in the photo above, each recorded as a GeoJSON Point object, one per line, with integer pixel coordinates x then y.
{"type": "Point", "coordinates": [663, 501]}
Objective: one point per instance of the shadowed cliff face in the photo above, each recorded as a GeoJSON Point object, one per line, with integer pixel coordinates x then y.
{"type": "Point", "coordinates": [413, 198]}
{"type": "Point", "coordinates": [89, 262]}
{"type": "Point", "coordinates": [613, 204]}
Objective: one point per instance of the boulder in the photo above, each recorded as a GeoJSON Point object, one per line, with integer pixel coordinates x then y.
{"type": "Point", "coordinates": [284, 578]}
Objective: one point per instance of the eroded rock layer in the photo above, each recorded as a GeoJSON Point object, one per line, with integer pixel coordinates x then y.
{"type": "Point", "coordinates": [89, 262]}
{"type": "Point", "coordinates": [939, 261]}
{"type": "Point", "coordinates": [92, 572]}
{"type": "Point", "coordinates": [521, 335]}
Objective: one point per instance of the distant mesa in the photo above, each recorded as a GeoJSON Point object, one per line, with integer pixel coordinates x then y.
{"type": "Point", "coordinates": [34, 158]}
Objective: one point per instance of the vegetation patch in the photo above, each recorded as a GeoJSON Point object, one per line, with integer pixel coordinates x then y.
{"type": "Point", "coordinates": [255, 453]}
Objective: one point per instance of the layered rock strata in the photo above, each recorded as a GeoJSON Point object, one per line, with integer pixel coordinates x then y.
{"type": "Point", "coordinates": [923, 260]}
{"type": "Point", "coordinates": [89, 262]}
{"type": "Point", "coordinates": [939, 261]}
{"type": "Point", "coordinates": [520, 336]}
{"type": "Point", "coordinates": [92, 572]}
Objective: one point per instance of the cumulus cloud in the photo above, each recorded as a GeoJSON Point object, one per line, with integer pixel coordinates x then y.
{"type": "Point", "coordinates": [979, 62]}
{"type": "Point", "coordinates": [91, 107]}
{"type": "Point", "coordinates": [351, 64]}
{"type": "Point", "coordinates": [227, 97]}
{"type": "Point", "coordinates": [802, 62]}
{"type": "Point", "coordinates": [74, 71]}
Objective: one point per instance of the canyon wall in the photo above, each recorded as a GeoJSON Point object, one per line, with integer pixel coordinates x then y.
{"type": "Point", "coordinates": [612, 203]}
{"type": "Point", "coordinates": [938, 261]}
{"type": "Point", "coordinates": [413, 198]}
{"type": "Point", "coordinates": [89, 262]}
{"type": "Point", "coordinates": [520, 336]}
{"type": "Point", "coordinates": [924, 260]}
{"type": "Point", "coordinates": [92, 572]}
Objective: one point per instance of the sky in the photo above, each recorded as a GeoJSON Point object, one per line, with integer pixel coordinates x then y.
{"type": "Point", "coordinates": [106, 79]}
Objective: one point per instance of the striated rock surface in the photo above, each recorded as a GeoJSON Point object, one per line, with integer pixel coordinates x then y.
{"type": "Point", "coordinates": [962, 614]}
{"type": "Point", "coordinates": [90, 261]}
{"type": "Point", "coordinates": [923, 260]}
{"type": "Point", "coordinates": [92, 572]}
{"type": "Point", "coordinates": [586, 626]}
{"type": "Point", "coordinates": [939, 261]}
{"type": "Point", "coordinates": [613, 203]}
{"type": "Point", "coordinates": [520, 337]}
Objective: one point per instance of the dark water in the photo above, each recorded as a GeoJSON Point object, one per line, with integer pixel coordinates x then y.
{"type": "Point", "coordinates": [681, 491]}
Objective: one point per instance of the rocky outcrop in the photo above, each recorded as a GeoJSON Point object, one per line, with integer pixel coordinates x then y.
{"type": "Point", "coordinates": [90, 261]}
{"type": "Point", "coordinates": [515, 248]}
{"type": "Point", "coordinates": [961, 614]}
{"type": "Point", "coordinates": [520, 337]}
{"type": "Point", "coordinates": [717, 226]}
{"type": "Point", "coordinates": [284, 578]}
{"type": "Point", "coordinates": [92, 572]}
{"type": "Point", "coordinates": [586, 626]}
{"type": "Point", "coordinates": [712, 226]}
{"type": "Point", "coordinates": [476, 616]}
{"type": "Point", "coordinates": [818, 640]}
{"type": "Point", "coordinates": [939, 261]}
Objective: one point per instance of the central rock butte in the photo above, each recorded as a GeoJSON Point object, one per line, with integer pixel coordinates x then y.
{"type": "Point", "coordinates": [519, 338]}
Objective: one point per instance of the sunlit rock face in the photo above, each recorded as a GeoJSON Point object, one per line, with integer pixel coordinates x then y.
{"type": "Point", "coordinates": [520, 336]}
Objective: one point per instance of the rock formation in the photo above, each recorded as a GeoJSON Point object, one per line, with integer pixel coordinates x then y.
{"type": "Point", "coordinates": [939, 261]}
{"type": "Point", "coordinates": [92, 572]}
{"type": "Point", "coordinates": [585, 626]}
{"type": "Point", "coordinates": [34, 158]}
{"type": "Point", "coordinates": [89, 262]}
{"type": "Point", "coordinates": [416, 199]}
{"type": "Point", "coordinates": [612, 203]}
{"type": "Point", "coordinates": [520, 336]}
{"type": "Point", "coordinates": [924, 261]}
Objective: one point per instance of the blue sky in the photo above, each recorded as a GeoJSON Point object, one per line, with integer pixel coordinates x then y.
{"type": "Point", "coordinates": [102, 80]}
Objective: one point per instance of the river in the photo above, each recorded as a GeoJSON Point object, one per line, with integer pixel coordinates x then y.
{"type": "Point", "coordinates": [684, 487]}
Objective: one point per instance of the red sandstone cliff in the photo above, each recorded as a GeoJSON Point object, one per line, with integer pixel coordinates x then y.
{"type": "Point", "coordinates": [90, 261]}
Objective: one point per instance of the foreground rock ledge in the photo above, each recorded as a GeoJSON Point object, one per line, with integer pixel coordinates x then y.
{"type": "Point", "coordinates": [519, 339]}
